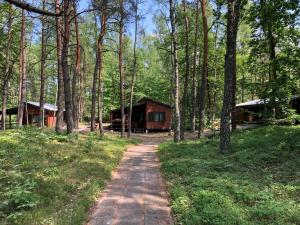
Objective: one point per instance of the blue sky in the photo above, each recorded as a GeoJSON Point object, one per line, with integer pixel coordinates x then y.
{"type": "Point", "coordinates": [150, 6]}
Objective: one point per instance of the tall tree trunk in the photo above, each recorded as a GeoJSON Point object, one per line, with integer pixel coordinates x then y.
{"type": "Point", "coordinates": [195, 58]}
{"type": "Point", "coordinates": [176, 72]}
{"type": "Point", "coordinates": [230, 65]}
{"type": "Point", "coordinates": [203, 89]}
{"type": "Point", "coordinates": [94, 90]}
{"type": "Point", "coordinates": [60, 78]}
{"type": "Point", "coordinates": [101, 84]}
{"type": "Point", "coordinates": [22, 81]}
{"type": "Point", "coordinates": [42, 72]}
{"type": "Point", "coordinates": [121, 69]}
{"type": "Point", "coordinates": [233, 101]}
{"type": "Point", "coordinates": [214, 109]}
{"type": "Point", "coordinates": [187, 71]}
{"type": "Point", "coordinates": [77, 72]}
{"type": "Point", "coordinates": [7, 71]}
{"type": "Point", "coordinates": [134, 69]}
{"type": "Point", "coordinates": [268, 30]}
{"type": "Point", "coordinates": [65, 67]}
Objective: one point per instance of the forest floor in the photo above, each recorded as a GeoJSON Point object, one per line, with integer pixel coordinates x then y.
{"type": "Point", "coordinates": [257, 183]}
{"type": "Point", "coordinates": [47, 178]}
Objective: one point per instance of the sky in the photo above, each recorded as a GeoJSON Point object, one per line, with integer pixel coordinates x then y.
{"type": "Point", "coordinates": [149, 7]}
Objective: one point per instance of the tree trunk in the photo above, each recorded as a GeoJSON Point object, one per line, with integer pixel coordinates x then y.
{"type": "Point", "coordinates": [101, 84]}
{"type": "Point", "coordinates": [7, 71]}
{"type": "Point", "coordinates": [77, 72]}
{"type": "Point", "coordinates": [233, 102]}
{"type": "Point", "coordinates": [22, 81]}
{"type": "Point", "coordinates": [176, 72]}
{"type": "Point", "coordinates": [268, 30]}
{"type": "Point", "coordinates": [203, 89]}
{"type": "Point", "coordinates": [194, 86]}
{"type": "Point", "coordinates": [187, 71]}
{"type": "Point", "coordinates": [230, 65]}
{"type": "Point", "coordinates": [121, 69]}
{"type": "Point", "coordinates": [94, 90]}
{"type": "Point", "coordinates": [60, 79]}
{"type": "Point", "coordinates": [65, 67]}
{"type": "Point", "coordinates": [42, 72]}
{"type": "Point", "coordinates": [134, 69]}
{"type": "Point", "coordinates": [214, 109]}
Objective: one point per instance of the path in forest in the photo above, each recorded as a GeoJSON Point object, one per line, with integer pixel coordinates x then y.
{"type": "Point", "coordinates": [136, 195]}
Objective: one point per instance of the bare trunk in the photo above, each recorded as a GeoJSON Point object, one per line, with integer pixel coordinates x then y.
{"type": "Point", "coordinates": [42, 72]}
{"type": "Point", "coordinates": [203, 89]}
{"type": "Point", "coordinates": [94, 91]}
{"type": "Point", "coordinates": [194, 86]}
{"type": "Point", "coordinates": [77, 73]}
{"type": "Point", "coordinates": [65, 68]}
{"type": "Point", "coordinates": [7, 72]}
{"type": "Point", "coordinates": [230, 65]}
{"type": "Point", "coordinates": [268, 29]}
{"type": "Point", "coordinates": [101, 84]}
{"type": "Point", "coordinates": [121, 69]}
{"type": "Point", "coordinates": [22, 81]}
{"type": "Point", "coordinates": [176, 73]}
{"type": "Point", "coordinates": [214, 109]}
{"type": "Point", "coordinates": [60, 81]}
{"type": "Point", "coordinates": [133, 72]}
{"type": "Point", "coordinates": [187, 72]}
{"type": "Point", "coordinates": [233, 101]}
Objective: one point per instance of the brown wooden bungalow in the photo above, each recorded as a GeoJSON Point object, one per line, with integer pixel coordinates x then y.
{"type": "Point", "coordinates": [252, 111]}
{"type": "Point", "coordinates": [147, 115]}
{"type": "Point", "coordinates": [31, 114]}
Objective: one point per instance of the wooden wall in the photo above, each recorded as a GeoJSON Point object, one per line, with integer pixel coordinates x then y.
{"type": "Point", "coordinates": [154, 107]}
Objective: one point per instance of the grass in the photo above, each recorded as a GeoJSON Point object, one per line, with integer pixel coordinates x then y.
{"type": "Point", "coordinates": [53, 179]}
{"type": "Point", "coordinates": [257, 183]}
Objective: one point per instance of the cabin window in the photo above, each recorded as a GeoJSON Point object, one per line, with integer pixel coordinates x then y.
{"type": "Point", "coordinates": [156, 117]}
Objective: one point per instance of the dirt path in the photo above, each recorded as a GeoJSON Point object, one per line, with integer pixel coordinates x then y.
{"type": "Point", "coordinates": [136, 194]}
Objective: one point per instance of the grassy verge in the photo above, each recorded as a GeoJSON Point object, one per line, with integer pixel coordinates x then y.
{"type": "Point", "coordinates": [47, 178]}
{"type": "Point", "coordinates": [258, 183]}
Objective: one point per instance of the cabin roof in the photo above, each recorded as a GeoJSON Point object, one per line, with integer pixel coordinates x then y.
{"type": "Point", "coordinates": [253, 102]}
{"type": "Point", "coordinates": [144, 101]}
{"type": "Point", "coordinates": [47, 107]}
{"type": "Point", "coordinates": [257, 102]}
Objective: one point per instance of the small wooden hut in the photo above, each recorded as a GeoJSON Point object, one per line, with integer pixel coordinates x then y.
{"type": "Point", "coordinates": [147, 115]}
{"type": "Point", "coordinates": [252, 111]}
{"type": "Point", "coordinates": [31, 114]}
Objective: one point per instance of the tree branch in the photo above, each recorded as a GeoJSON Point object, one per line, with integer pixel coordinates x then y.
{"type": "Point", "coordinates": [28, 7]}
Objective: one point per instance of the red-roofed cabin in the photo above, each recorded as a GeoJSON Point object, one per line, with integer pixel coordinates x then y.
{"type": "Point", "coordinates": [147, 115]}
{"type": "Point", "coordinates": [31, 114]}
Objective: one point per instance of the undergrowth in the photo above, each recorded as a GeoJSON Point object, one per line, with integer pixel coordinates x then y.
{"type": "Point", "coordinates": [257, 183]}
{"type": "Point", "coordinates": [46, 178]}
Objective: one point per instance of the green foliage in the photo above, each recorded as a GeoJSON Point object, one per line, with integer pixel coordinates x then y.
{"type": "Point", "coordinates": [46, 178]}
{"type": "Point", "coordinates": [258, 183]}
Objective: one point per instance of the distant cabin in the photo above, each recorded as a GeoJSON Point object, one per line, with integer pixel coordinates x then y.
{"type": "Point", "coordinates": [147, 115]}
{"type": "Point", "coordinates": [31, 114]}
{"type": "Point", "coordinates": [252, 111]}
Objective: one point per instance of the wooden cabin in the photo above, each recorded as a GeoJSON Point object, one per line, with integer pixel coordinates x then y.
{"type": "Point", "coordinates": [252, 111]}
{"type": "Point", "coordinates": [31, 114]}
{"type": "Point", "coordinates": [147, 115]}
